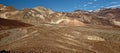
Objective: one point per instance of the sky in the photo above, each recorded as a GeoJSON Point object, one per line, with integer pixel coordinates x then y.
{"type": "Point", "coordinates": [63, 5]}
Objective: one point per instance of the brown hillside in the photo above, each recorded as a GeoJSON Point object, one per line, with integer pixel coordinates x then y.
{"type": "Point", "coordinates": [8, 24]}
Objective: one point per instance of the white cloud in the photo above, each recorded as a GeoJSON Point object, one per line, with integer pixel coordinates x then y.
{"type": "Point", "coordinates": [87, 4]}
{"type": "Point", "coordinates": [95, 0]}
{"type": "Point", "coordinates": [114, 6]}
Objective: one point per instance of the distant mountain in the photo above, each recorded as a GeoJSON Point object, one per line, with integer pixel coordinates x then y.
{"type": "Point", "coordinates": [113, 13]}
{"type": "Point", "coordinates": [89, 18]}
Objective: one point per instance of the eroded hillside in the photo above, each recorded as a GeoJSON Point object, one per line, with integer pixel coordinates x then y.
{"type": "Point", "coordinates": [51, 38]}
{"type": "Point", "coordinates": [41, 30]}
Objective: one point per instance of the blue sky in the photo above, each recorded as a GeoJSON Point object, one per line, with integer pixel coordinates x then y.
{"type": "Point", "coordinates": [62, 5]}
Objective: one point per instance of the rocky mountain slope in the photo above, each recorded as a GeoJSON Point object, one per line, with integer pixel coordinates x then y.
{"type": "Point", "coordinates": [38, 15]}
{"type": "Point", "coordinates": [112, 14]}
{"type": "Point", "coordinates": [41, 30]}
{"type": "Point", "coordinates": [109, 13]}
{"type": "Point", "coordinates": [89, 18]}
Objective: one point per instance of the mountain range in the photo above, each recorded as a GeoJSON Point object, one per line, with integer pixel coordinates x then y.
{"type": "Point", "coordinates": [41, 30]}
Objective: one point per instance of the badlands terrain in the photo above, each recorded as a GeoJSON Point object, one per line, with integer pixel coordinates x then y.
{"type": "Point", "coordinates": [41, 30]}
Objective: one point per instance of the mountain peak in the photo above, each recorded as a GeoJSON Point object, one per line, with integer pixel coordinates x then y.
{"type": "Point", "coordinates": [40, 8]}
{"type": "Point", "coordinates": [6, 8]}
